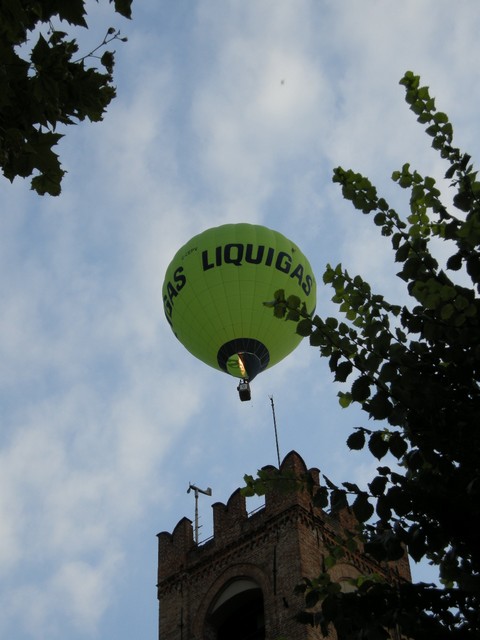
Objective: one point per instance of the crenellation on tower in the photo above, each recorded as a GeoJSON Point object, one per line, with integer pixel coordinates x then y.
{"type": "Point", "coordinates": [229, 519]}
{"type": "Point", "coordinates": [174, 547]}
{"type": "Point", "coordinates": [244, 576]}
{"type": "Point", "coordinates": [277, 499]}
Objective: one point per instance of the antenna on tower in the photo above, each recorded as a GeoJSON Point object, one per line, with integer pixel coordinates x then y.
{"type": "Point", "coordinates": [275, 429]}
{"type": "Point", "coordinates": [206, 492]}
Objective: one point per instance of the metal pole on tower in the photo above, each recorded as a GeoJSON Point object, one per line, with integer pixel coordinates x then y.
{"type": "Point", "coordinates": [197, 490]}
{"type": "Point", "coordinates": [275, 429]}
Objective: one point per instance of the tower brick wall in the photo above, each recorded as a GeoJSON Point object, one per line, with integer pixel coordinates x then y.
{"type": "Point", "coordinates": [273, 548]}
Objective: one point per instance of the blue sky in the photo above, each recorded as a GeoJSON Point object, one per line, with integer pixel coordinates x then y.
{"type": "Point", "coordinates": [227, 110]}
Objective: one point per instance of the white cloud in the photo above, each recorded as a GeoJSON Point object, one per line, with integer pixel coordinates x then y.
{"type": "Point", "coordinates": [76, 596]}
{"type": "Point", "coordinates": [255, 110]}
{"type": "Point", "coordinates": [73, 485]}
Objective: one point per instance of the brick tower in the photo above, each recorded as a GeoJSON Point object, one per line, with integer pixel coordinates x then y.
{"type": "Point", "coordinates": [239, 584]}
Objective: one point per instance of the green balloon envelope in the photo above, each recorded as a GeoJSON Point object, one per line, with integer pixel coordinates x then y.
{"type": "Point", "coordinates": [214, 291]}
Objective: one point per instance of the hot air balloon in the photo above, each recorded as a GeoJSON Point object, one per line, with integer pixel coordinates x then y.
{"type": "Point", "coordinates": [214, 293]}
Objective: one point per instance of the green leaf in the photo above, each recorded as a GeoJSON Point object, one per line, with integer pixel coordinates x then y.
{"type": "Point", "coordinates": [344, 399]}
{"type": "Point", "coordinates": [304, 327]}
{"type": "Point", "coordinates": [379, 407]}
{"type": "Point", "coordinates": [343, 370]}
{"type": "Point", "coordinates": [316, 338]}
{"type": "Point", "coordinates": [378, 445]}
{"type": "Point", "coordinates": [403, 252]}
{"type": "Point", "coordinates": [47, 183]}
{"type": "Point", "coordinates": [361, 389]}
{"type": "Point", "coordinates": [416, 543]}
{"type": "Point", "coordinates": [124, 7]}
{"type": "Point", "coordinates": [332, 323]}
{"type": "Point", "coordinates": [450, 171]}
{"type": "Point", "coordinates": [352, 487]}
{"type": "Point", "coordinates": [73, 12]}
{"type": "Point", "coordinates": [440, 118]}
{"type": "Point", "coordinates": [108, 61]}
{"type": "Point", "coordinates": [447, 311]}
{"type": "Point", "coordinates": [399, 500]}
{"type": "Point", "coordinates": [397, 445]}
{"type": "Point", "coordinates": [356, 440]}
{"type": "Point", "coordinates": [293, 314]}
{"type": "Point", "coordinates": [382, 508]}
{"type": "Point", "coordinates": [377, 485]}
{"type": "Point", "coordinates": [293, 302]}
{"type": "Point", "coordinates": [329, 483]}
{"type": "Point", "coordinates": [362, 508]}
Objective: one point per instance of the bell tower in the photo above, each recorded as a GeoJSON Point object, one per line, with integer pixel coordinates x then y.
{"type": "Point", "coordinates": [239, 585]}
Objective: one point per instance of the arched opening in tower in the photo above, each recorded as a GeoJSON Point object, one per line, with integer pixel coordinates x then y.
{"type": "Point", "coordinates": [238, 612]}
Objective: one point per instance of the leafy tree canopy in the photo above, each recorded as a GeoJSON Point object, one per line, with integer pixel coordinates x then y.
{"type": "Point", "coordinates": [415, 369]}
{"type": "Point", "coordinates": [44, 82]}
